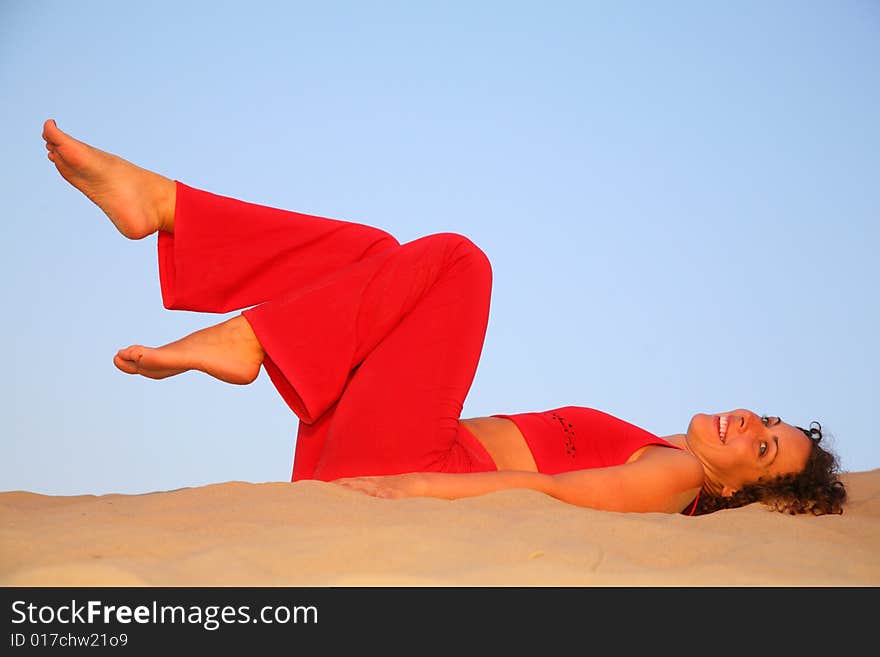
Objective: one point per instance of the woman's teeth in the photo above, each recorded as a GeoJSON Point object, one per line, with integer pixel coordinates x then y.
{"type": "Point", "coordinates": [722, 427]}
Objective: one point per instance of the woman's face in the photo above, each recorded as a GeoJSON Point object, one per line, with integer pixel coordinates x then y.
{"type": "Point", "coordinates": [738, 447]}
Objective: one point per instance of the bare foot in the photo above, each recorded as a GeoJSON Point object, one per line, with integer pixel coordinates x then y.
{"type": "Point", "coordinates": [138, 202]}
{"type": "Point", "coordinates": [228, 351]}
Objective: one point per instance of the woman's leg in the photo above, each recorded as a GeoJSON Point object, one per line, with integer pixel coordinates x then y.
{"type": "Point", "coordinates": [227, 254]}
{"type": "Point", "coordinates": [216, 253]}
{"type": "Point", "coordinates": [380, 383]}
{"type": "Point", "coordinates": [400, 411]}
{"type": "Point", "coordinates": [377, 360]}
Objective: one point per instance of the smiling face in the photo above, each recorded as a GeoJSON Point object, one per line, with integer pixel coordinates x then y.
{"type": "Point", "coordinates": [739, 447]}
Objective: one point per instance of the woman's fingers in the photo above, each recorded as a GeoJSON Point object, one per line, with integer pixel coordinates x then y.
{"type": "Point", "coordinates": [361, 484]}
{"type": "Point", "coordinates": [375, 486]}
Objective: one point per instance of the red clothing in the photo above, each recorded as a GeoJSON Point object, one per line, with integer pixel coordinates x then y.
{"type": "Point", "coordinates": [577, 438]}
{"type": "Point", "coordinates": [372, 344]}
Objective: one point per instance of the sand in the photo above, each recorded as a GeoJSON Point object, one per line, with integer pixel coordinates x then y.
{"type": "Point", "coordinates": [318, 534]}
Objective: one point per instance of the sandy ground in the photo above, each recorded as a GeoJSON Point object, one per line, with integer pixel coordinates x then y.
{"type": "Point", "coordinates": [318, 534]}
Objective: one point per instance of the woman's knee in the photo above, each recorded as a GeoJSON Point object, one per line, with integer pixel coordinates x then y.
{"type": "Point", "coordinates": [460, 251]}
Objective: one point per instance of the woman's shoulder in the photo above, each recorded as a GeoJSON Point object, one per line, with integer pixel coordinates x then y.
{"type": "Point", "coordinates": [675, 471]}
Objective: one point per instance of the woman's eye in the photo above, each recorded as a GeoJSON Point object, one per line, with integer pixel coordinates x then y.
{"type": "Point", "coordinates": [765, 420]}
{"type": "Point", "coordinates": [763, 449]}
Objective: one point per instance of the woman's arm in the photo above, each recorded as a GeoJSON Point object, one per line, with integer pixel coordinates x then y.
{"type": "Point", "coordinates": [446, 485]}
{"type": "Point", "coordinates": [662, 480]}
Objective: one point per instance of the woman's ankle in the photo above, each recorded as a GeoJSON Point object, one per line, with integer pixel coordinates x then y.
{"type": "Point", "coordinates": [167, 205]}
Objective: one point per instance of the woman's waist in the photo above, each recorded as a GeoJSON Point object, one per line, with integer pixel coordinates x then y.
{"type": "Point", "coordinates": [504, 442]}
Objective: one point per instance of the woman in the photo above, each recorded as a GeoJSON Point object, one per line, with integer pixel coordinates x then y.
{"type": "Point", "coordinates": [374, 344]}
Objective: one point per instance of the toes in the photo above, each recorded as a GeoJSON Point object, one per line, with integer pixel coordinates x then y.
{"type": "Point", "coordinates": [126, 366]}
{"type": "Point", "coordinates": [50, 130]}
{"type": "Point", "coordinates": [132, 354]}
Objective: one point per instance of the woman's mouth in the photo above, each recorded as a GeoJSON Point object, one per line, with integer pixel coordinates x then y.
{"type": "Point", "coordinates": [721, 423]}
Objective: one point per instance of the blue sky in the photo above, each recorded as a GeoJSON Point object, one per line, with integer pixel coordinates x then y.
{"type": "Point", "coordinates": [680, 201]}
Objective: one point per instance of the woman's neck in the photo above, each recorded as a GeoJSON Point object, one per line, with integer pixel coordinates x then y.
{"type": "Point", "coordinates": [680, 440]}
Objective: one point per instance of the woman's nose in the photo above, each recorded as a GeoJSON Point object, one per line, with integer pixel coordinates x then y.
{"type": "Point", "coordinates": [742, 418]}
{"type": "Point", "coordinates": [748, 419]}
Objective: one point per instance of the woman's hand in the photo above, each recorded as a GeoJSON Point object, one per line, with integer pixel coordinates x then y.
{"type": "Point", "coordinates": [385, 486]}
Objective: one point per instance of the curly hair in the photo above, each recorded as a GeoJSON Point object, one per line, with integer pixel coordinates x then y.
{"type": "Point", "coordinates": [817, 489]}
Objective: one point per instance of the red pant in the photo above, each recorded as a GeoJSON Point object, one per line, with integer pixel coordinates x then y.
{"type": "Point", "coordinates": [373, 344]}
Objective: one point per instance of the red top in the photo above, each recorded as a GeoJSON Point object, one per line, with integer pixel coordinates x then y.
{"type": "Point", "coordinates": [577, 438]}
